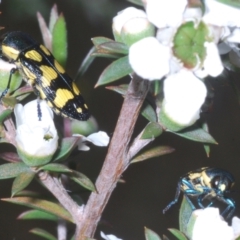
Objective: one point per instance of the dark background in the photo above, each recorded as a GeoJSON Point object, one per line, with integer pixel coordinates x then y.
{"type": "Point", "coordinates": [150, 185]}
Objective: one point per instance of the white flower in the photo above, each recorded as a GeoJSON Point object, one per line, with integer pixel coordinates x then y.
{"type": "Point", "coordinates": [210, 225]}
{"type": "Point", "coordinates": [236, 226]}
{"type": "Point", "coordinates": [212, 64]}
{"type": "Point", "coordinates": [123, 17]}
{"type": "Point", "coordinates": [149, 58]}
{"type": "Point", "coordinates": [164, 13]}
{"type": "Point", "coordinates": [34, 138]}
{"type": "Point", "coordinates": [109, 237]}
{"type": "Point", "coordinates": [100, 139]}
{"type": "Point", "coordinates": [220, 14]}
{"type": "Point", "coordinates": [184, 95]}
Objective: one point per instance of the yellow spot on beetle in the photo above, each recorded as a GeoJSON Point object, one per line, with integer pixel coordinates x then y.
{"type": "Point", "coordinates": [30, 76]}
{"type": "Point", "coordinates": [10, 52]}
{"type": "Point", "coordinates": [58, 67]}
{"type": "Point", "coordinates": [79, 110]}
{"type": "Point", "coordinates": [48, 74]}
{"type": "Point", "coordinates": [85, 106]}
{"type": "Point", "coordinates": [34, 55]}
{"type": "Point", "coordinates": [75, 89]}
{"type": "Point", "coordinates": [45, 50]}
{"type": "Point", "coordinates": [62, 95]}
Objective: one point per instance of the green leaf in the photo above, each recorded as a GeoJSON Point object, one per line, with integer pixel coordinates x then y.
{"type": "Point", "coordinates": [10, 157]}
{"type": "Point", "coordinates": [42, 205]}
{"type": "Point", "coordinates": [67, 145]}
{"type": "Point", "coordinates": [148, 112]}
{"type": "Point", "coordinates": [153, 152]}
{"type": "Point", "coordinates": [82, 180]}
{"type": "Point", "coordinates": [121, 89]}
{"type": "Point", "coordinates": [22, 181]}
{"type": "Point", "coordinates": [179, 235]}
{"type": "Point", "coordinates": [42, 233]}
{"type": "Point", "coordinates": [59, 41]}
{"type": "Point", "coordinates": [232, 3]}
{"type": "Point", "coordinates": [102, 53]}
{"type": "Point", "coordinates": [11, 170]}
{"type": "Point", "coordinates": [23, 92]}
{"type": "Point", "coordinates": [196, 134]}
{"type": "Point", "coordinates": [116, 70]}
{"type": "Point", "coordinates": [87, 61]}
{"type": "Point", "coordinates": [5, 114]}
{"type": "Point", "coordinates": [15, 81]}
{"type": "Point", "coordinates": [9, 101]}
{"type": "Point", "coordinates": [184, 215]}
{"type": "Point", "coordinates": [114, 47]}
{"type": "Point", "coordinates": [152, 130]}
{"type": "Point", "coordinates": [36, 214]}
{"type": "Point", "coordinates": [100, 40]}
{"type": "Point", "coordinates": [137, 2]}
{"type": "Point", "coordinates": [165, 237]}
{"type": "Point", "coordinates": [206, 146]}
{"type": "Point", "coordinates": [28, 193]}
{"type": "Point", "coordinates": [151, 235]}
{"type": "Point", "coordinates": [55, 167]}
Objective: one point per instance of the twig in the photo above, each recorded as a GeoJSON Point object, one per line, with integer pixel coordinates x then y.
{"type": "Point", "coordinates": [57, 189]}
{"type": "Point", "coordinates": [116, 160]}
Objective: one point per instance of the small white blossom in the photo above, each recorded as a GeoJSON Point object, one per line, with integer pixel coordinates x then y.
{"type": "Point", "coordinates": [210, 225]}
{"type": "Point", "coordinates": [33, 137]}
{"type": "Point", "coordinates": [123, 17]}
{"type": "Point", "coordinates": [236, 226]}
{"type": "Point", "coordinates": [100, 139]}
{"type": "Point", "coordinates": [109, 236]}
{"type": "Point", "coordinates": [149, 58]}
{"type": "Point", "coordinates": [165, 13]}
{"type": "Point", "coordinates": [220, 14]}
{"type": "Point", "coordinates": [212, 64]}
{"type": "Point", "coordinates": [184, 95]}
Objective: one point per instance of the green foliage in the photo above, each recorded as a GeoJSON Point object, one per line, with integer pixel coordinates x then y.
{"type": "Point", "coordinates": [153, 152]}
{"type": "Point", "coordinates": [179, 235]}
{"type": "Point", "coordinates": [151, 235]}
{"type": "Point", "coordinates": [37, 214]}
{"type": "Point", "coordinates": [55, 167]}
{"type": "Point", "coordinates": [11, 170]}
{"type": "Point", "coordinates": [42, 233]}
{"type": "Point", "coordinates": [152, 130]}
{"type": "Point", "coordinates": [116, 70]}
{"type": "Point", "coordinates": [43, 205]}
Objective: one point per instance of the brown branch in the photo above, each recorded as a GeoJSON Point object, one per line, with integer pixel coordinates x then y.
{"type": "Point", "coordinates": [116, 160]}
{"type": "Point", "coordinates": [56, 188]}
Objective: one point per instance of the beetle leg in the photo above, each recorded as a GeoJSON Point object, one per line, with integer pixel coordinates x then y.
{"type": "Point", "coordinates": [231, 206]}
{"type": "Point", "coordinates": [12, 71]}
{"type": "Point", "coordinates": [175, 199]}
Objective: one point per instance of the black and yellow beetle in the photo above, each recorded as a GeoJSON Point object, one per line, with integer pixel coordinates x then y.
{"type": "Point", "coordinates": [206, 183]}
{"type": "Point", "coordinates": [39, 68]}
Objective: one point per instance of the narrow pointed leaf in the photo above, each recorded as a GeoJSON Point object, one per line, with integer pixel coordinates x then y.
{"type": "Point", "coordinates": [121, 89]}
{"type": "Point", "coordinates": [184, 215]}
{"type": "Point", "coordinates": [22, 181]}
{"type": "Point", "coordinates": [53, 17]}
{"type": "Point", "coordinates": [179, 235]}
{"type": "Point", "coordinates": [206, 146]}
{"type": "Point", "coordinates": [100, 40]}
{"type": "Point", "coordinates": [42, 205]}
{"type": "Point", "coordinates": [28, 193]}
{"type": "Point", "coordinates": [82, 180]}
{"type": "Point", "coordinates": [137, 2]}
{"type": "Point", "coordinates": [36, 214]}
{"type": "Point", "coordinates": [59, 40]}
{"type": "Point", "coordinates": [56, 167]}
{"type": "Point", "coordinates": [87, 61]}
{"type": "Point", "coordinates": [11, 170]}
{"type": "Point", "coordinates": [26, 90]}
{"type": "Point", "coordinates": [5, 114]}
{"type": "Point", "coordinates": [154, 152]}
{"type": "Point", "coordinates": [165, 237]}
{"type": "Point", "coordinates": [152, 130]}
{"type": "Point", "coordinates": [103, 54]}
{"type": "Point", "coordinates": [198, 135]}
{"type": "Point", "coordinates": [43, 233]}
{"type": "Point", "coordinates": [10, 157]}
{"type": "Point", "coordinates": [114, 47]}
{"type": "Point", "coordinates": [67, 145]}
{"type": "Point", "coordinates": [148, 112]}
{"type": "Point", "coordinates": [151, 235]}
{"type": "Point", "coordinates": [116, 70]}
{"type": "Point", "coordinates": [9, 101]}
